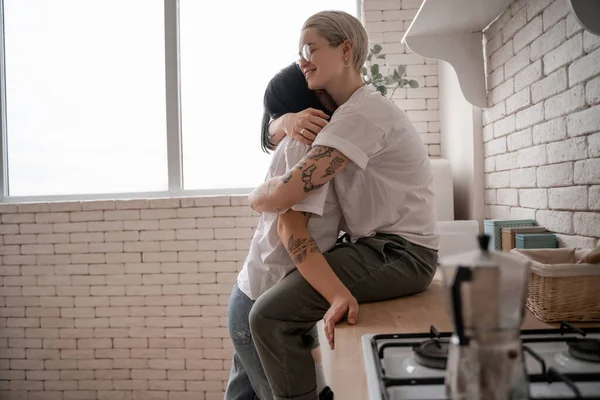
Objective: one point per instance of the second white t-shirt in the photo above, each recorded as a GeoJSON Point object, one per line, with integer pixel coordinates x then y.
{"type": "Point", "coordinates": [268, 260]}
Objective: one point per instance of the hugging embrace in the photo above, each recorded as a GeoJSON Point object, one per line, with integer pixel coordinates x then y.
{"type": "Point", "coordinates": [347, 215]}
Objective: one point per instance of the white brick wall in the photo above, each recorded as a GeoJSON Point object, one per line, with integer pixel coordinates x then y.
{"type": "Point", "coordinates": [542, 130]}
{"type": "Point", "coordinates": [386, 22]}
{"type": "Point", "coordinates": [127, 299]}
{"type": "Point", "coordinates": [119, 299]}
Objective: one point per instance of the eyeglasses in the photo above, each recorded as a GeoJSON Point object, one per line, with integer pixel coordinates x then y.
{"type": "Point", "coordinates": [305, 54]}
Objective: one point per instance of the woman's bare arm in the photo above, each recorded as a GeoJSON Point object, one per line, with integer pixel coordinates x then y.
{"type": "Point", "coordinates": [292, 228]}
{"type": "Point", "coordinates": [318, 167]}
{"type": "Point", "coordinates": [302, 126]}
{"type": "Point", "coordinates": [276, 129]}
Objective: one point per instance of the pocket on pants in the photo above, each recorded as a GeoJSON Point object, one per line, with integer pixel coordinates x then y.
{"type": "Point", "coordinates": [389, 248]}
{"type": "Point", "coordinates": [239, 323]}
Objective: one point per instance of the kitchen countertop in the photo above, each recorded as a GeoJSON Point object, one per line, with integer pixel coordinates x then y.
{"type": "Point", "coordinates": [410, 314]}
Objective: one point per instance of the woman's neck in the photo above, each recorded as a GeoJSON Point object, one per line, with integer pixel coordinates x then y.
{"type": "Point", "coordinates": [341, 89]}
{"type": "Point", "coordinates": [326, 100]}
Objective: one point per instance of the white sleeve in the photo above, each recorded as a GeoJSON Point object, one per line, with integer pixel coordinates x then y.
{"type": "Point", "coordinates": [353, 135]}
{"type": "Point", "coordinates": [314, 203]}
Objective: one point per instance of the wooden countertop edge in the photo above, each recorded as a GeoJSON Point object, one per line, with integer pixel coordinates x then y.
{"type": "Point", "coordinates": [412, 314]}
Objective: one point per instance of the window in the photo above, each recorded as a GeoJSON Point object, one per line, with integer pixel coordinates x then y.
{"type": "Point", "coordinates": [229, 52]}
{"type": "Point", "coordinates": [85, 91]}
{"type": "Point", "coordinates": [85, 99]}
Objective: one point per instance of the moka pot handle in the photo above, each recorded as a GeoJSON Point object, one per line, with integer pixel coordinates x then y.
{"type": "Point", "coordinates": [463, 274]}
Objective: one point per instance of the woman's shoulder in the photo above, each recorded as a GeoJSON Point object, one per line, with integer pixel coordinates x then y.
{"type": "Point", "coordinates": [293, 144]}
{"type": "Point", "coordinates": [289, 151]}
{"type": "Point", "coordinates": [288, 144]}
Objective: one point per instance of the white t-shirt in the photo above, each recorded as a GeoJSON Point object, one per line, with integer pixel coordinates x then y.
{"type": "Point", "coordinates": [268, 260]}
{"type": "Point", "coordinates": [388, 187]}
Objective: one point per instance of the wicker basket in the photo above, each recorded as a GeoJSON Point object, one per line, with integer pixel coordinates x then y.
{"type": "Point", "coordinates": [560, 287]}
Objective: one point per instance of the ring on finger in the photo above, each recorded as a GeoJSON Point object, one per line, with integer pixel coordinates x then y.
{"type": "Point", "coordinates": [302, 133]}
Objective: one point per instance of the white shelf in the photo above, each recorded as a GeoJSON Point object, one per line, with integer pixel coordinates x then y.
{"type": "Point", "coordinates": [450, 30]}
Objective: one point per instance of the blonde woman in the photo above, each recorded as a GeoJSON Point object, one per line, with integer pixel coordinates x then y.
{"type": "Point", "coordinates": [382, 177]}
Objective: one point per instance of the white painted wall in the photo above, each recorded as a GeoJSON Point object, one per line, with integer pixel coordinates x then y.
{"type": "Point", "coordinates": [462, 145]}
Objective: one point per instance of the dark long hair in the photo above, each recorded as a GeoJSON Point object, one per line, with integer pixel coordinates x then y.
{"type": "Point", "coordinates": [287, 92]}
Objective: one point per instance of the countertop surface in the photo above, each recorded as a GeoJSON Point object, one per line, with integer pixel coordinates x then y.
{"type": "Point", "coordinates": [410, 314]}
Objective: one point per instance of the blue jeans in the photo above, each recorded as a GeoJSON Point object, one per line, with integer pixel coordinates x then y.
{"type": "Point", "coordinates": [247, 379]}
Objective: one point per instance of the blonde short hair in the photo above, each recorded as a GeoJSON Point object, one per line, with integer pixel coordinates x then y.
{"type": "Point", "coordinates": [337, 26]}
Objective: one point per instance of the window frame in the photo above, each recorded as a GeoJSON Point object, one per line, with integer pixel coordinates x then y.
{"type": "Point", "coordinates": [173, 118]}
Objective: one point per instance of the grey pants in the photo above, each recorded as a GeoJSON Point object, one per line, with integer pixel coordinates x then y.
{"type": "Point", "coordinates": [373, 269]}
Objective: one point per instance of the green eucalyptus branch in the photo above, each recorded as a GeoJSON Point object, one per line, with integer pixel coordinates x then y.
{"type": "Point", "coordinates": [372, 74]}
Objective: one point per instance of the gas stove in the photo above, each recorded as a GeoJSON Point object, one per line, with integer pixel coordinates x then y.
{"type": "Point", "coordinates": [561, 364]}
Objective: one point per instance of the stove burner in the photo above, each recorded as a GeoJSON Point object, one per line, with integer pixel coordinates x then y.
{"type": "Point", "coordinates": [414, 369]}
{"type": "Point", "coordinates": [432, 353]}
{"type": "Point", "coordinates": [585, 349]}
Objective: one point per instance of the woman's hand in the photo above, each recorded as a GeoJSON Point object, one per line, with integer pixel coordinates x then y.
{"type": "Point", "coordinates": [304, 126]}
{"type": "Point", "coordinates": [340, 306]}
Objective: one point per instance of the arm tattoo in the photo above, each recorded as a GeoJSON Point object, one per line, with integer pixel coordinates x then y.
{"type": "Point", "coordinates": [286, 178]}
{"type": "Point", "coordinates": [298, 248]}
{"type": "Point", "coordinates": [307, 179]}
{"type": "Point", "coordinates": [314, 248]}
{"type": "Point", "coordinates": [333, 166]}
{"type": "Point", "coordinates": [318, 152]}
